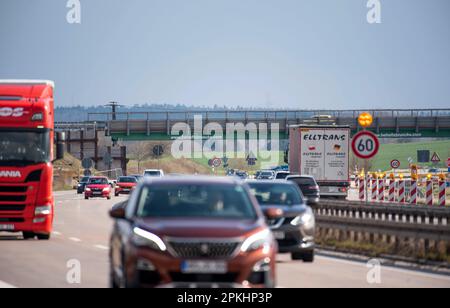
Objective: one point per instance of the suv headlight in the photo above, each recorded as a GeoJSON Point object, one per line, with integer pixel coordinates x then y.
{"type": "Point", "coordinates": [261, 239]}
{"type": "Point", "coordinates": [106, 189]}
{"type": "Point", "coordinates": [306, 220]}
{"type": "Point", "coordinates": [144, 238]}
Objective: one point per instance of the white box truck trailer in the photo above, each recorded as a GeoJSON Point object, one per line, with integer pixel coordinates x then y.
{"type": "Point", "coordinates": [322, 151]}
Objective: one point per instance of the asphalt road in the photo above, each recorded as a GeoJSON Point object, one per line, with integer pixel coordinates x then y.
{"type": "Point", "coordinates": [81, 235]}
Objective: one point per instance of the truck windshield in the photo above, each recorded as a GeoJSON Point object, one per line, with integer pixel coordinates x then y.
{"type": "Point", "coordinates": [20, 148]}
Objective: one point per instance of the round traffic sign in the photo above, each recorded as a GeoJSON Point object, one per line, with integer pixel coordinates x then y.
{"type": "Point", "coordinates": [365, 145]}
{"type": "Point", "coordinates": [395, 164]}
{"type": "Point", "coordinates": [216, 162]}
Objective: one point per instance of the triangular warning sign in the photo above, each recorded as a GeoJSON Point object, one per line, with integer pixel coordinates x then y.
{"type": "Point", "coordinates": [435, 158]}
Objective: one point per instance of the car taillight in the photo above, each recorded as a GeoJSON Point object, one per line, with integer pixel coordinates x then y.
{"type": "Point", "coordinates": [343, 189]}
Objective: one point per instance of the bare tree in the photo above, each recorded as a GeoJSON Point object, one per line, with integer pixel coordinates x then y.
{"type": "Point", "coordinates": [140, 151]}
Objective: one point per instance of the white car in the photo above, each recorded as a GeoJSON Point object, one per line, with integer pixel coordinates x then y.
{"type": "Point", "coordinates": [154, 173]}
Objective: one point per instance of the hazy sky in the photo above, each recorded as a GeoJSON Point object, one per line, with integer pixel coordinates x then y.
{"type": "Point", "coordinates": [267, 53]}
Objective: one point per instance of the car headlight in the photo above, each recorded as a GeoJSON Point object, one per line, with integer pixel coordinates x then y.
{"type": "Point", "coordinates": [87, 189]}
{"type": "Point", "coordinates": [144, 238]}
{"type": "Point", "coordinates": [262, 239]}
{"type": "Point", "coordinates": [106, 189]}
{"type": "Point", "coordinates": [306, 220]}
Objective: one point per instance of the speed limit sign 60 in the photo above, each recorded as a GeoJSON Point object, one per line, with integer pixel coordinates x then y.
{"type": "Point", "coordinates": [365, 145]}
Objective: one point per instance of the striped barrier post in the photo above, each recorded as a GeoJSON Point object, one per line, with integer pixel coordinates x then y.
{"type": "Point", "coordinates": [413, 199]}
{"type": "Point", "coordinates": [381, 189]}
{"type": "Point", "coordinates": [391, 192]}
{"type": "Point", "coordinates": [429, 192]}
{"type": "Point", "coordinates": [362, 189]}
{"type": "Point", "coordinates": [442, 195]}
{"type": "Point", "coordinates": [374, 189]}
{"type": "Point", "coordinates": [401, 191]}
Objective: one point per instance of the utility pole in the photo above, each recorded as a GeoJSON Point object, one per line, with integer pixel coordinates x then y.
{"type": "Point", "coordinates": [114, 106]}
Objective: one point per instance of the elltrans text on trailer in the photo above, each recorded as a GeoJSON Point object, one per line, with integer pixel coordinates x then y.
{"type": "Point", "coordinates": [26, 155]}
{"type": "Point", "coordinates": [322, 151]}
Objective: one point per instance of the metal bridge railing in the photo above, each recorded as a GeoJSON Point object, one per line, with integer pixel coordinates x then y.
{"type": "Point", "coordinates": [255, 115]}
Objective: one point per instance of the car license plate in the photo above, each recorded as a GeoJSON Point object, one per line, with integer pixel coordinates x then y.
{"type": "Point", "coordinates": [204, 267]}
{"type": "Point", "coordinates": [7, 227]}
{"type": "Point", "coordinates": [279, 235]}
{"type": "Point", "coordinates": [97, 193]}
{"type": "Point", "coordinates": [334, 189]}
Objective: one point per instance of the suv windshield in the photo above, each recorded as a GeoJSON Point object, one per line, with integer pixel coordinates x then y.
{"type": "Point", "coordinates": [276, 194]}
{"type": "Point", "coordinates": [195, 200]}
{"type": "Point", "coordinates": [127, 179]}
{"type": "Point", "coordinates": [24, 147]}
{"type": "Point", "coordinates": [98, 181]}
{"type": "Point", "coordinates": [152, 173]}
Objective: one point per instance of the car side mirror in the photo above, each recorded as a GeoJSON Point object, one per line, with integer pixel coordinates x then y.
{"type": "Point", "coordinates": [118, 211]}
{"type": "Point", "coordinates": [274, 213]}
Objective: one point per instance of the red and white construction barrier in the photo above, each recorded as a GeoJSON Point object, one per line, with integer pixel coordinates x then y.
{"type": "Point", "coordinates": [381, 190]}
{"type": "Point", "coordinates": [401, 191]}
{"type": "Point", "coordinates": [374, 190]}
{"type": "Point", "coordinates": [413, 193]}
{"type": "Point", "coordinates": [391, 197]}
{"type": "Point", "coordinates": [362, 189]}
{"type": "Point", "coordinates": [429, 193]}
{"type": "Point", "coordinates": [442, 196]}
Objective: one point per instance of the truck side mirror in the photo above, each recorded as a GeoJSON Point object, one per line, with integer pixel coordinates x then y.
{"type": "Point", "coordinates": [60, 138]}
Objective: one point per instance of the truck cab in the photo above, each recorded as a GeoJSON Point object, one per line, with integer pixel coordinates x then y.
{"type": "Point", "coordinates": [26, 155]}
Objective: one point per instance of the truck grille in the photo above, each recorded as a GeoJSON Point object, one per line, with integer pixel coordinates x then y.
{"type": "Point", "coordinates": [206, 249]}
{"type": "Point", "coordinates": [13, 198]}
{"type": "Point", "coordinates": [12, 207]}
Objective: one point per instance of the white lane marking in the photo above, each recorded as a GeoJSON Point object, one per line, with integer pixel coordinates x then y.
{"type": "Point", "coordinates": [75, 239]}
{"type": "Point", "coordinates": [4, 285]}
{"type": "Point", "coordinates": [102, 247]}
{"type": "Point", "coordinates": [389, 268]}
{"type": "Point", "coordinates": [56, 233]}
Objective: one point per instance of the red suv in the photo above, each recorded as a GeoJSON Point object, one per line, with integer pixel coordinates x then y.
{"type": "Point", "coordinates": [192, 232]}
{"type": "Point", "coordinates": [97, 187]}
{"type": "Point", "coordinates": [125, 185]}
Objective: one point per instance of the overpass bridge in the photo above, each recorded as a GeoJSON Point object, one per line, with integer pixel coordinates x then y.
{"type": "Point", "coordinates": [388, 123]}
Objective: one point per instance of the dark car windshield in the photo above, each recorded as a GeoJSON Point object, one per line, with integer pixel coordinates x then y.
{"type": "Point", "coordinates": [127, 179]}
{"type": "Point", "coordinates": [303, 181]}
{"type": "Point", "coordinates": [276, 194]}
{"type": "Point", "coordinates": [195, 201]}
{"type": "Point", "coordinates": [152, 173]}
{"type": "Point", "coordinates": [84, 179]}
{"type": "Point", "coordinates": [282, 175]}
{"type": "Point", "coordinates": [24, 147]}
{"type": "Point", "coordinates": [98, 181]}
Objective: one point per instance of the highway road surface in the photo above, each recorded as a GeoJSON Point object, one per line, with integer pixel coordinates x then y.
{"type": "Point", "coordinates": [81, 235]}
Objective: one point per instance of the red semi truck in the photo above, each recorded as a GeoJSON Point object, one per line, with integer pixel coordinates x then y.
{"type": "Point", "coordinates": [26, 156]}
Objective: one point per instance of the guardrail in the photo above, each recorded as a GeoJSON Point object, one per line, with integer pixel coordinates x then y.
{"type": "Point", "coordinates": [248, 114]}
{"type": "Point", "coordinates": [420, 230]}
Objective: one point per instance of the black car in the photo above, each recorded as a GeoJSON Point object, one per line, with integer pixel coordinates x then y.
{"type": "Point", "coordinates": [308, 186]}
{"type": "Point", "coordinates": [82, 184]}
{"type": "Point", "coordinates": [295, 228]}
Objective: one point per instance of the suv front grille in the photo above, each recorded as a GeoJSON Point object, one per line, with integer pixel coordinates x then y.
{"type": "Point", "coordinates": [203, 249]}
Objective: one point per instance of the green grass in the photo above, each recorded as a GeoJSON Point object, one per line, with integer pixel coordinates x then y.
{"type": "Point", "coordinates": [402, 151]}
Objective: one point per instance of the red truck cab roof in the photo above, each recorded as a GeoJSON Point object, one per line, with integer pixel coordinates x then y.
{"type": "Point", "coordinates": [26, 103]}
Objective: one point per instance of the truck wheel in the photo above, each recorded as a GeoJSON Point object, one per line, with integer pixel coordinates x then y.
{"type": "Point", "coordinates": [117, 195]}
{"type": "Point", "coordinates": [108, 198]}
{"type": "Point", "coordinates": [43, 237]}
{"type": "Point", "coordinates": [28, 235]}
